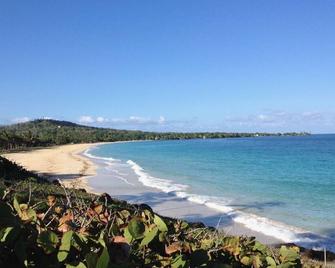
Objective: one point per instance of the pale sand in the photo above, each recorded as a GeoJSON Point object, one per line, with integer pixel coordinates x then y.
{"type": "Point", "coordinates": [59, 162]}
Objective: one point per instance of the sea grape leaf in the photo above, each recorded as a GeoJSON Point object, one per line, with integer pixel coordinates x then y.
{"type": "Point", "coordinates": [91, 259]}
{"type": "Point", "coordinates": [79, 265]}
{"type": "Point", "coordinates": [27, 214]}
{"type": "Point", "coordinates": [102, 238]}
{"type": "Point", "coordinates": [48, 241]}
{"type": "Point", "coordinates": [65, 246]}
{"type": "Point", "coordinates": [124, 213]}
{"type": "Point", "coordinates": [199, 257]}
{"type": "Point", "coordinates": [271, 262]}
{"type": "Point", "coordinates": [9, 235]}
{"type": "Point", "coordinates": [160, 224]}
{"type": "Point", "coordinates": [136, 228]}
{"type": "Point", "coordinates": [289, 254]}
{"type": "Point", "coordinates": [128, 235]}
{"type": "Point", "coordinates": [103, 260]}
{"type": "Point", "coordinates": [4, 233]}
{"type": "Point", "coordinates": [178, 262]}
{"type": "Point", "coordinates": [51, 200]}
{"type": "Point", "coordinates": [16, 206]}
{"type": "Point", "coordinates": [174, 247]}
{"type": "Point", "coordinates": [20, 250]}
{"type": "Point", "coordinates": [149, 237]}
{"type": "Point", "coordinates": [246, 261]}
{"type": "Point", "coordinates": [162, 236]}
{"type": "Point", "coordinates": [6, 216]}
{"type": "Point", "coordinates": [256, 262]}
{"type": "Point", "coordinates": [260, 247]}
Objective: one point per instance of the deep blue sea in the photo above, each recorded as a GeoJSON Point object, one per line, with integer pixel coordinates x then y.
{"type": "Point", "coordinates": [281, 186]}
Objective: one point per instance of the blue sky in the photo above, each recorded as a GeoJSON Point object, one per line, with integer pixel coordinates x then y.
{"type": "Point", "coordinates": [170, 65]}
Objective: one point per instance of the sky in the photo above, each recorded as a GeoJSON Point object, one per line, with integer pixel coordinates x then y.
{"type": "Point", "coordinates": [170, 65]}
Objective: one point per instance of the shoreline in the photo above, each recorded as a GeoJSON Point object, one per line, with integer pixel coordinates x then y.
{"type": "Point", "coordinates": [125, 185]}
{"type": "Point", "coordinates": [76, 168]}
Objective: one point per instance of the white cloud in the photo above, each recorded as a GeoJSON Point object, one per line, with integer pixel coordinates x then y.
{"type": "Point", "coordinates": [101, 119]}
{"type": "Point", "coordinates": [161, 120]}
{"type": "Point", "coordinates": [21, 119]}
{"type": "Point", "coordinates": [86, 119]}
{"type": "Point", "coordinates": [129, 121]}
{"type": "Point", "coordinates": [138, 120]}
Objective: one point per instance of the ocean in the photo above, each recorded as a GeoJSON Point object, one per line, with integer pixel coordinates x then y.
{"type": "Point", "coordinates": [280, 186]}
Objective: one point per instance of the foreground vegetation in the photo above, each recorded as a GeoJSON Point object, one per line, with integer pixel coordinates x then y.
{"type": "Point", "coordinates": [44, 224]}
{"type": "Point", "coordinates": [52, 132]}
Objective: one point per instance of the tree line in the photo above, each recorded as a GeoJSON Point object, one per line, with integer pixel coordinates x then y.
{"type": "Point", "coordinates": [47, 132]}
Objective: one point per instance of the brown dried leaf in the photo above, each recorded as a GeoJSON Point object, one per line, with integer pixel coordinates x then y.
{"type": "Point", "coordinates": [119, 239]}
{"type": "Point", "coordinates": [51, 200]}
{"type": "Point", "coordinates": [98, 209]}
{"type": "Point", "coordinates": [64, 227]}
{"type": "Point", "coordinates": [40, 215]}
{"type": "Point", "coordinates": [65, 222]}
{"type": "Point", "coordinates": [174, 247]}
{"type": "Point", "coordinates": [59, 210]}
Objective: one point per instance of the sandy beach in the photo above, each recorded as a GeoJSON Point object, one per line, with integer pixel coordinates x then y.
{"type": "Point", "coordinates": [59, 162]}
{"type": "Point", "coordinates": [68, 164]}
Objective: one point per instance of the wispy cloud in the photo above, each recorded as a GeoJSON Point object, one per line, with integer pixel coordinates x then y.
{"type": "Point", "coordinates": [282, 120]}
{"type": "Point", "coordinates": [138, 120]}
{"type": "Point", "coordinates": [131, 120]}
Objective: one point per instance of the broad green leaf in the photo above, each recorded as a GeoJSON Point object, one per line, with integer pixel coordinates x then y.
{"type": "Point", "coordinates": [79, 265]}
{"type": "Point", "coordinates": [149, 237]}
{"type": "Point", "coordinates": [127, 235]}
{"type": "Point", "coordinates": [91, 259]}
{"type": "Point", "coordinates": [178, 262]}
{"type": "Point", "coordinates": [260, 247]}
{"type": "Point", "coordinates": [27, 214]}
{"type": "Point", "coordinates": [160, 224]}
{"type": "Point", "coordinates": [48, 241]}
{"type": "Point", "coordinates": [6, 216]}
{"type": "Point", "coordinates": [65, 246]}
{"type": "Point", "coordinates": [102, 238]}
{"type": "Point", "coordinates": [246, 261]}
{"type": "Point", "coordinates": [199, 257]}
{"type": "Point", "coordinates": [103, 260]}
{"type": "Point", "coordinates": [271, 262]}
{"type": "Point", "coordinates": [136, 228]}
{"type": "Point", "coordinates": [16, 205]}
{"type": "Point", "coordinates": [20, 250]}
{"type": "Point", "coordinates": [4, 233]}
{"type": "Point", "coordinates": [162, 236]}
{"type": "Point", "coordinates": [9, 235]}
{"type": "Point", "coordinates": [256, 262]}
{"type": "Point", "coordinates": [289, 255]}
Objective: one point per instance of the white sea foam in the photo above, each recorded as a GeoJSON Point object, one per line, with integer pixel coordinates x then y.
{"type": "Point", "coordinates": [279, 230]}
{"type": "Point", "coordinates": [125, 180]}
{"type": "Point", "coordinates": [111, 166]}
{"type": "Point", "coordinates": [86, 153]}
{"type": "Point", "coordinates": [166, 186]}
{"type": "Point", "coordinates": [284, 232]}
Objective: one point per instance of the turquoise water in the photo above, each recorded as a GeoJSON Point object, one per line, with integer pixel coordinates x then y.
{"type": "Point", "coordinates": [282, 183]}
